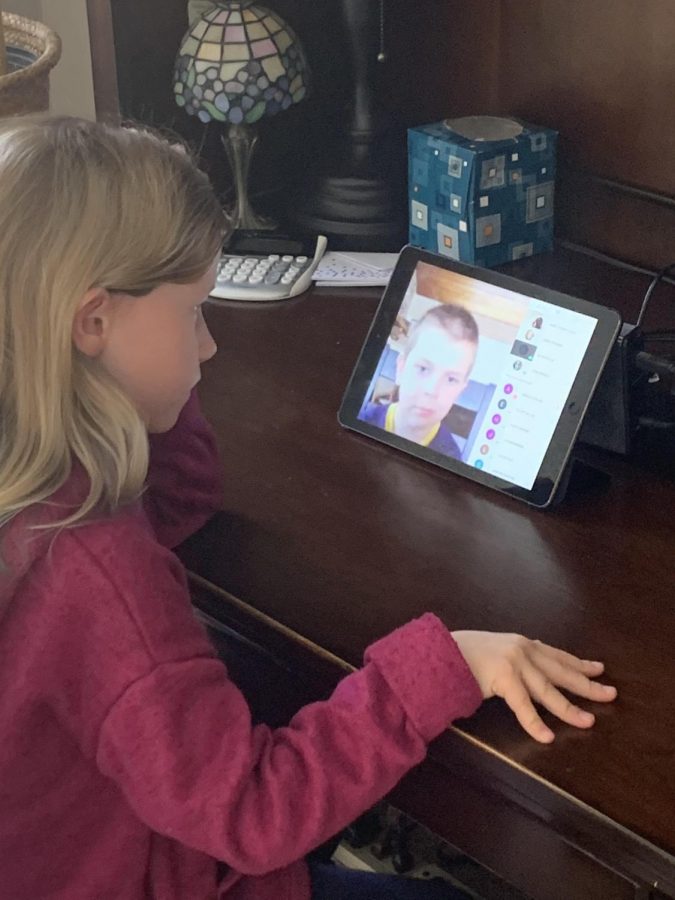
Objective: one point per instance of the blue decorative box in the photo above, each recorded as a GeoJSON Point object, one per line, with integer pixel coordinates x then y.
{"type": "Point", "coordinates": [481, 188]}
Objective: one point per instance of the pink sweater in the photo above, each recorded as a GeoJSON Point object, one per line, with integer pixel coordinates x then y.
{"type": "Point", "coordinates": [128, 761]}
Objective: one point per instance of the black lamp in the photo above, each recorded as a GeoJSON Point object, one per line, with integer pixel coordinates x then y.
{"type": "Point", "coordinates": [357, 197]}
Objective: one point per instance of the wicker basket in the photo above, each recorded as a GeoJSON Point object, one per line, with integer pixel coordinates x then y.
{"type": "Point", "coordinates": [33, 50]}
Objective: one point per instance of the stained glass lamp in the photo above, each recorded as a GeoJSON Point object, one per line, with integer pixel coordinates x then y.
{"type": "Point", "coordinates": [237, 63]}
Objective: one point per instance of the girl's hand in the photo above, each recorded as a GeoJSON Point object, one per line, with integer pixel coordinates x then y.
{"type": "Point", "coordinates": [520, 670]}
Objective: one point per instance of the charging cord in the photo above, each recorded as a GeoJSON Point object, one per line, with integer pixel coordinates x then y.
{"type": "Point", "coordinates": [660, 368]}
{"type": "Point", "coordinates": [656, 365]}
{"type": "Point", "coordinates": [660, 276]}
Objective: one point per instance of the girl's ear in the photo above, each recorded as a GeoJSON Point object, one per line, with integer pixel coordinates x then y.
{"type": "Point", "coordinates": [92, 321]}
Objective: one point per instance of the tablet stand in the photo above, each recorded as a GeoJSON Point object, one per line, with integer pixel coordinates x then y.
{"type": "Point", "coordinates": [580, 479]}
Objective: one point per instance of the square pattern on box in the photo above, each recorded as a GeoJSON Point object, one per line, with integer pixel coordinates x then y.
{"type": "Point", "coordinates": [481, 201]}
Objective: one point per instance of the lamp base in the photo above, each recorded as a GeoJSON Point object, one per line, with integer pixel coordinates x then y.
{"type": "Point", "coordinates": [359, 200]}
{"type": "Point", "coordinates": [249, 220]}
{"type": "Point", "coordinates": [357, 213]}
{"type": "Point", "coordinates": [239, 143]}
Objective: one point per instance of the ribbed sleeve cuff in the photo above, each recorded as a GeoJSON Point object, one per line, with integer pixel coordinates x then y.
{"type": "Point", "coordinates": [424, 667]}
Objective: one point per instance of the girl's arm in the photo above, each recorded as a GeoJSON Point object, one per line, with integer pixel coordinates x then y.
{"type": "Point", "coordinates": [180, 743]}
{"type": "Point", "coordinates": [157, 713]}
{"type": "Point", "coordinates": [184, 479]}
{"type": "Point", "coordinates": [181, 746]}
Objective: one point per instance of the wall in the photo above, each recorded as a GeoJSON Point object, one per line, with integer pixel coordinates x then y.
{"type": "Point", "coordinates": [601, 72]}
{"type": "Point", "coordinates": [71, 85]}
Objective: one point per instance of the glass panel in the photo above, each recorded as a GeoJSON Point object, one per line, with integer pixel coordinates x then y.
{"type": "Point", "coordinates": [273, 68]}
{"type": "Point", "coordinates": [235, 51]}
{"type": "Point", "coordinates": [272, 24]}
{"type": "Point", "coordinates": [229, 71]}
{"type": "Point", "coordinates": [283, 40]}
{"type": "Point", "coordinates": [199, 29]}
{"type": "Point", "coordinates": [214, 34]}
{"type": "Point", "coordinates": [263, 48]}
{"type": "Point", "coordinates": [235, 34]}
{"type": "Point", "coordinates": [256, 31]}
{"type": "Point", "coordinates": [211, 52]}
{"type": "Point", "coordinates": [257, 112]}
{"type": "Point", "coordinates": [189, 46]}
{"type": "Point", "coordinates": [213, 112]}
{"type": "Point", "coordinates": [222, 103]}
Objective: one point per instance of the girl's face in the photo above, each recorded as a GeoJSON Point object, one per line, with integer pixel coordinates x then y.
{"type": "Point", "coordinates": [155, 345]}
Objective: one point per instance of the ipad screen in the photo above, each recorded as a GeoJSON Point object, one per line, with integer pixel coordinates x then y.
{"type": "Point", "coordinates": [476, 372]}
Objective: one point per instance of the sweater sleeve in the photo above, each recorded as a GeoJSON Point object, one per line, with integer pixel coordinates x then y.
{"type": "Point", "coordinates": [181, 745]}
{"type": "Point", "coordinates": [184, 483]}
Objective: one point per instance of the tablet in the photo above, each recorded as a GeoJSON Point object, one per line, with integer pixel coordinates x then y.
{"type": "Point", "coordinates": [482, 374]}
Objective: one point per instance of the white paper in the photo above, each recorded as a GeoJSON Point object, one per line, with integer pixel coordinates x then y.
{"type": "Point", "coordinates": [353, 269]}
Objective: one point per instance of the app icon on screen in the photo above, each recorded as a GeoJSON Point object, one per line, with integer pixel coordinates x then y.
{"type": "Point", "coordinates": [523, 349]}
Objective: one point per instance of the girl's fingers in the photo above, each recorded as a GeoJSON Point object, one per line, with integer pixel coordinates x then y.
{"type": "Point", "coordinates": [517, 697]}
{"type": "Point", "coordinates": [570, 673]}
{"type": "Point", "coordinates": [524, 672]}
{"type": "Point", "coordinates": [547, 694]}
{"type": "Point", "coordinates": [588, 667]}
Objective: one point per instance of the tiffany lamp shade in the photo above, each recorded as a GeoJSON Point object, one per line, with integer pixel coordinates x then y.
{"type": "Point", "coordinates": [237, 63]}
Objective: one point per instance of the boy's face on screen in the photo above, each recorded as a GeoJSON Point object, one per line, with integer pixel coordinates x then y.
{"type": "Point", "coordinates": [431, 376]}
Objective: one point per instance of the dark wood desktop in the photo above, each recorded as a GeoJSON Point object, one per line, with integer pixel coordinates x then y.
{"type": "Point", "coordinates": [329, 540]}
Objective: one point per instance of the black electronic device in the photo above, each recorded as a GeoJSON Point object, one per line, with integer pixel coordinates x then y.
{"type": "Point", "coordinates": [630, 395]}
{"type": "Point", "coordinates": [263, 243]}
{"type": "Point", "coordinates": [479, 373]}
{"type": "Point", "coordinates": [611, 420]}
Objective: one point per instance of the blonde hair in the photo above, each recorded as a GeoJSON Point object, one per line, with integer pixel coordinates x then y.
{"type": "Point", "coordinates": [455, 320]}
{"type": "Point", "coordinates": [84, 204]}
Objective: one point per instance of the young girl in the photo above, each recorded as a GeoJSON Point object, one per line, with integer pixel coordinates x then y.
{"type": "Point", "coordinates": [129, 767]}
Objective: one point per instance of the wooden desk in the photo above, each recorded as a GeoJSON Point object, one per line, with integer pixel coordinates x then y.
{"type": "Point", "coordinates": [331, 540]}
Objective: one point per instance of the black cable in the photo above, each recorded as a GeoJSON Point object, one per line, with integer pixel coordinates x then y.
{"type": "Point", "coordinates": [662, 367]}
{"type": "Point", "coordinates": [656, 424]}
{"type": "Point", "coordinates": [650, 290]}
{"type": "Point", "coordinates": [657, 337]}
{"type": "Point", "coordinates": [657, 365]}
